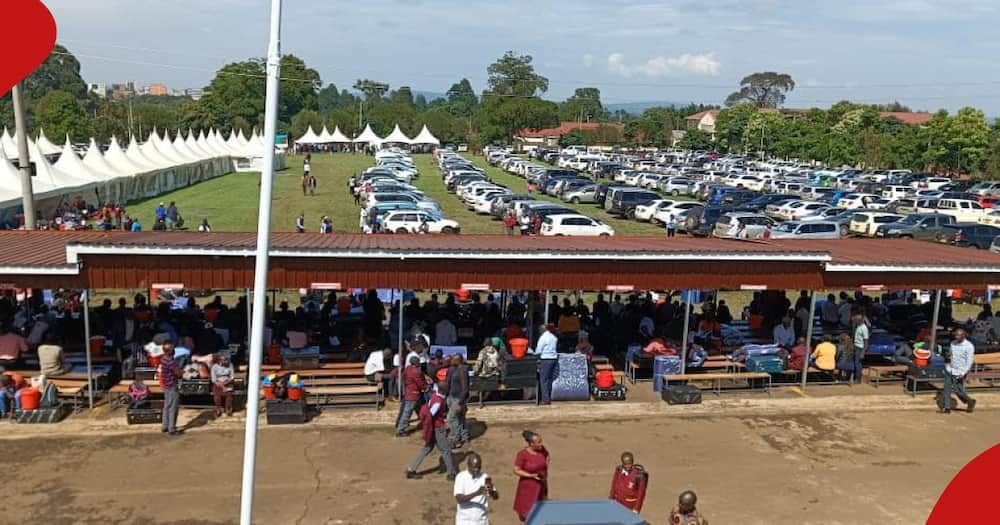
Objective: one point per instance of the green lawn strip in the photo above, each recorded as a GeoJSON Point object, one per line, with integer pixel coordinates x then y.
{"type": "Point", "coordinates": [431, 183]}
{"type": "Point", "coordinates": [519, 185]}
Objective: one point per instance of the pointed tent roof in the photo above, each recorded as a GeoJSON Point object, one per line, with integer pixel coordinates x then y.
{"type": "Point", "coordinates": [182, 148]}
{"type": "Point", "coordinates": [59, 179]}
{"type": "Point", "coordinates": [97, 163]}
{"type": "Point", "coordinates": [339, 136]}
{"type": "Point", "coordinates": [153, 154]}
{"type": "Point", "coordinates": [426, 137]}
{"type": "Point", "coordinates": [8, 145]}
{"type": "Point", "coordinates": [192, 143]}
{"type": "Point", "coordinates": [242, 139]}
{"type": "Point", "coordinates": [45, 146]}
{"type": "Point", "coordinates": [207, 146]}
{"type": "Point", "coordinates": [396, 137]}
{"type": "Point", "coordinates": [325, 137]}
{"type": "Point", "coordinates": [70, 164]}
{"type": "Point", "coordinates": [137, 156]}
{"type": "Point", "coordinates": [234, 145]}
{"type": "Point", "coordinates": [310, 137]}
{"type": "Point", "coordinates": [10, 186]}
{"type": "Point", "coordinates": [168, 150]}
{"type": "Point", "coordinates": [368, 136]}
{"type": "Point", "coordinates": [118, 160]}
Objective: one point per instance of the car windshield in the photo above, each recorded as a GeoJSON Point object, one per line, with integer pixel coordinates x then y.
{"type": "Point", "coordinates": [786, 227]}
{"type": "Point", "coordinates": [911, 219]}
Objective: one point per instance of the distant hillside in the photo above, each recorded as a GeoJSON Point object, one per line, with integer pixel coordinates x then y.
{"type": "Point", "coordinates": [430, 96]}
{"type": "Point", "coordinates": [637, 108]}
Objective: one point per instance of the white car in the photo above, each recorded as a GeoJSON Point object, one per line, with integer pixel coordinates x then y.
{"type": "Point", "coordinates": [991, 218]}
{"type": "Point", "coordinates": [484, 203]}
{"type": "Point", "coordinates": [854, 201]}
{"type": "Point", "coordinates": [802, 209]}
{"type": "Point", "coordinates": [806, 230]}
{"type": "Point", "coordinates": [881, 204]}
{"type": "Point", "coordinates": [645, 212]}
{"type": "Point", "coordinates": [571, 224]}
{"type": "Point", "coordinates": [930, 183]}
{"type": "Point", "coordinates": [679, 210]}
{"type": "Point", "coordinates": [409, 221]}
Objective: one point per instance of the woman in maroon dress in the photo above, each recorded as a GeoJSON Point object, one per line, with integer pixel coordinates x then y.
{"type": "Point", "coordinates": [532, 469]}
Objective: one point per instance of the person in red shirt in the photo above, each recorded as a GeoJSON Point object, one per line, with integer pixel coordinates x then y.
{"type": "Point", "coordinates": [432, 421]}
{"type": "Point", "coordinates": [532, 469]}
{"type": "Point", "coordinates": [628, 484]}
{"type": "Point", "coordinates": [414, 386]}
{"type": "Point", "coordinates": [797, 355]}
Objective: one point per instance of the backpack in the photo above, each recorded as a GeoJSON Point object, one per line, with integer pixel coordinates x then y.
{"type": "Point", "coordinates": [50, 396]}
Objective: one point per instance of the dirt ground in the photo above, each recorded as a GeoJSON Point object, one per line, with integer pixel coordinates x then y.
{"type": "Point", "coordinates": [845, 458]}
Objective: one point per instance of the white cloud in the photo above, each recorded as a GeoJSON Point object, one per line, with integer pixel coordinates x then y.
{"type": "Point", "coordinates": [588, 60]}
{"type": "Point", "coordinates": [662, 66]}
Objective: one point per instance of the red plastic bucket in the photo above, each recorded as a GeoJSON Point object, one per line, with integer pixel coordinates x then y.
{"type": "Point", "coordinates": [462, 295]}
{"type": "Point", "coordinates": [294, 394]}
{"type": "Point", "coordinates": [30, 398]}
{"type": "Point", "coordinates": [921, 357]}
{"type": "Point", "coordinates": [97, 345]}
{"type": "Point", "coordinates": [518, 347]}
{"type": "Point", "coordinates": [268, 391]}
{"type": "Point", "coordinates": [604, 379]}
{"type": "Point", "coordinates": [154, 360]}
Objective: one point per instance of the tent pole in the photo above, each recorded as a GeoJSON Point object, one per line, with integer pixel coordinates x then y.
{"type": "Point", "coordinates": [809, 336]}
{"type": "Point", "coordinates": [531, 318]}
{"type": "Point", "coordinates": [547, 302]}
{"type": "Point", "coordinates": [934, 320]}
{"type": "Point", "coordinates": [684, 338]}
{"type": "Point", "coordinates": [260, 268]}
{"type": "Point", "coordinates": [86, 346]}
{"type": "Point", "coordinates": [402, 345]}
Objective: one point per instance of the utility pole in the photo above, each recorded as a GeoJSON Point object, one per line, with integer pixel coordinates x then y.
{"type": "Point", "coordinates": [24, 160]}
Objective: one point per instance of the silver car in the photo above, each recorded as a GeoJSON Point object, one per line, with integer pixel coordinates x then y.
{"type": "Point", "coordinates": [584, 194]}
{"type": "Point", "coordinates": [677, 186]}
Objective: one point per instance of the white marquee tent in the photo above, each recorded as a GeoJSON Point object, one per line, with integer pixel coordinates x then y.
{"type": "Point", "coordinates": [338, 136]}
{"type": "Point", "coordinates": [309, 138]}
{"type": "Point", "coordinates": [426, 137]}
{"type": "Point", "coordinates": [368, 136]}
{"type": "Point", "coordinates": [396, 137]}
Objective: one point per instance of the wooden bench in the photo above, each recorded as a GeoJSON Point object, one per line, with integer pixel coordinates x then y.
{"type": "Point", "coordinates": [796, 375]}
{"type": "Point", "coordinates": [604, 366]}
{"type": "Point", "coordinates": [716, 364]}
{"type": "Point", "coordinates": [878, 374]}
{"type": "Point", "coordinates": [718, 377]}
{"type": "Point", "coordinates": [345, 395]}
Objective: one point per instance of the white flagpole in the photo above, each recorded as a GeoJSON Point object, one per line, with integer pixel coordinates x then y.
{"type": "Point", "coordinates": [260, 267]}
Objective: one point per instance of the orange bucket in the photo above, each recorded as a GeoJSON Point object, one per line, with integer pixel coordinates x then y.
{"type": "Point", "coordinates": [154, 360]}
{"type": "Point", "coordinates": [274, 354]}
{"type": "Point", "coordinates": [518, 347]}
{"type": "Point", "coordinates": [30, 398]}
{"type": "Point", "coordinates": [294, 394]}
{"type": "Point", "coordinates": [921, 357]}
{"type": "Point", "coordinates": [97, 345]}
{"type": "Point", "coordinates": [268, 391]}
{"type": "Point", "coordinates": [462, 295]}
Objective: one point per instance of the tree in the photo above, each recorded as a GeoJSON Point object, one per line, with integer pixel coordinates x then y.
{"type": "Point", "coordinates": [59, 113]}
{"type": "Point", "coordinates": [731, 124]}
{"type": "Point", "coordinates": [372, 89]}
{"type": "Point", "coordinates": [462, 99]}
{"type": "Point", "coordinates": [498, 119]}
{"type": "Point", "coordinates": [60, 71]}
{"type": "Point", "coordinates": [512, 75]}
{"type": "Point", "coordinates": [403, 95]}
{"type": "Point", "coordinates": [696, 139]}
{"type": "Point", "coordinates": [329, 99]}
{"type": "Point", "coordinates": [302, 121]}
{"type": "Point", "coordinates": [192, 115]}
{"type": "Point", "coordinates": [585, 104]}
{"type": "Point", "coordinates": [991, 162]}
{"type": "Point", "coordinates": [968, 140]}
{"type": "Point", "coordinates": [573, 137]}
{"type": "Point", "coordinates": [763, 90]}
{"type": "Point", "coordinates": [762, 131]}
{"type": "Point", "coordinates": [163, 118]}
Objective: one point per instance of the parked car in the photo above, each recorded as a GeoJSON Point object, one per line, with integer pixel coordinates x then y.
{"type": "Point", "coordinates": [624, 202]}
{"type": "Point", "coordinates": [923, 226]}
{"type": "Point", "coordinates": [742, 225]}
{"type": "Point", "coordinates": [408, 221]}
{"type": "Point", "coordinates": [677, 186]}
{"type": "Point", "coordinates": [701, 221]}
{"type": "Point", "coordinates": [991, 218]}
{"type": "Point", "coordinates": [970, 235]}
{"type": "Point", "coordinates": [963, 210]}
{"type": "Point", "coordinates": [867, 223]}
{"type": "Point", "coordinates": [645, 212]}
{"type": "Point", "coordinates": [986, 188]}
{"type": "Point", "coordinates": [806, 230]}
{"type": "Point", "coordinates": [679, 210]}
{"type": "Point", "coordinates": [571, 224]}
{"type": "Point", "coordinates": [995, 245]}
{"type": "Point", "coordinates": [581, 194]}
{"type": "Point", "coordinates": [853, 201]}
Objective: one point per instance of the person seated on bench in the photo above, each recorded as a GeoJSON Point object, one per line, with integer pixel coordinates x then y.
{"type": "Point", "coordinates": [722, 313]}
{"type": "Point", "coordinates": [797, 355]}
{"type": "Point", "coordinates": [784, 333]}
{"type": "Point", "coordinates": [490, 361]}
{"type": "Point", "coordinates": [223, 380]}
{"type": "Point", "coordinates": [845, 355]}
{"type": "Point", "coordinates": [51, 361]}
{"type": "Point", "coordinates": [824, 356]}
{"type": "Point", "coordinates": [375, 367]}
{"type": "Point", "coordinates": [11, 346]}
{"type": "Point", "coordinates": [138, 393]}
{"type": "Point", "coordinates": [6, 395]}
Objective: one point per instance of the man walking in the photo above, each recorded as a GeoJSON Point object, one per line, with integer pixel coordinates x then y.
{"type": "Point", "coordinates": [458, 393]}
{"type": "Point", "coordinates": [671, 226]}
{"type": "Point", "coordinates": [413, 390]}
{"type": "Point", "coordinates": [432, 421]}
{"type": "Point", "coordinates": [300, 224]}
{"type": "Point", "coordinates": [962, 354]}
{"type": "Point", "coordinates": [549, 358]}
{"type": "Point", "coordinates": [169, 375]}
{"type": "Point", "coordinates": [473, 490]}
{"type": "Point", "coordinates": [861, 338]}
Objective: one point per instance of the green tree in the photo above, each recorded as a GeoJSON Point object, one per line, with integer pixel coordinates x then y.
{"type": "Point", "coordinates": [696, 139]}
{"type": "Point", "coordinates": [462, 99]}
{"type": "Point", "coordinates": [969, 138]}
{"type": "Point", "coordinates": [762, 131]}
{"type": "Point", "coordinates": [60, 71]}
{"type": "Point", "coordinates": [372, 89]}
{"type": "Point", "coordinates": [155, 116]}
{"type": "Point", "coordinates": [585, 105]}
{"type": "Point", "coordinates": [574, 137]}
{"type": "Point", "coordinates": [990, 169]}
{"type": "Point", "coordinates": [302, 121]}
{"type": "Point", "coordinates": [193, 115]}
{"type": "Point", "coordinates": [59, 113]}
{"type": "Point", "coordinates": [329, 99]}
{"type": "Point", "coordinates": [763, 90]}
{"type": "Point", "coordinates": [731, 124]}
{"type": "Point", "coordinates": [498, 118]}
{"type": "Point", "coordinates": [512, 75]}
{"type": "Point", "coordinates": [403, 95]}
{"type": "Point", "coordinates": [445, 126]}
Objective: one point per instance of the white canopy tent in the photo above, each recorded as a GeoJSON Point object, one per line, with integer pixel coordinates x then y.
{"type": "Point", "coordinates": [309, 138]}
{"type": "Point", "coordinates": [426, 137]}
{"type": "Point", "coordinates": [368, 136]}
{"type": "Point", "coordinates": [45, 146]}
{"type": "Point", "coordinates": [95, 160]}
{"type": "Point", "coordinates": [7, 145]}
{"type": "Point", "coordinates": [339, 137]}
{"type": "Point", "coordinates": [324, 136]}
{"type": "Point", "coordinates": [396, 137]}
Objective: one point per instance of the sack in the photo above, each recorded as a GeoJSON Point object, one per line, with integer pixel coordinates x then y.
{"type": "Point", "coordinates": [681, 394]}
{"type": "Point", "coordinates": [770, 364]}
{"type": "Point", "coordinates": [50, 396]}
{"type": "Point", "coordinates": [604, 379]}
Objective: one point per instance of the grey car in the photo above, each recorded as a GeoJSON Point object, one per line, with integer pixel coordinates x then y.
{"type": "Point", "coordinates": [922, 226]}
{"type": "Point", "coordinates": [584, 194]}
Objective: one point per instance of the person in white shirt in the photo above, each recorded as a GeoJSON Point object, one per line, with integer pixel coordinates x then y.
{"type": "Point", "coordinates": [962, 356]}
{"type": "Point", "coordinates": [549, 358]}
{"type": "Point", "coordinates": [375, 365]}
{"type": "Point", "coordinates": [784, 333]}
{"type": "Point", "coordinates": [473, 491]}
{"type": "Point", "coordinates": [444, 333]}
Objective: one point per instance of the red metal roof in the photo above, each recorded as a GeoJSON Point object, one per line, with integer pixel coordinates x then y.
{"type": "Point", "coordinates": [566, 127]}
{"type": "Point", "coordinates": [41, 249]}
{"type": "Point", "coordinates": [907, 117]}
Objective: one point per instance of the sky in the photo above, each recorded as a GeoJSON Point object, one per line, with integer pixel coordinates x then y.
{"type": "Point", "coordinates": [927, 54]}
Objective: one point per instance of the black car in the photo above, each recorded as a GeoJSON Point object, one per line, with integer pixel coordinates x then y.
{"type": "Point", "coordinates": [625, 202]}
{"type": "Point", "coordinates": [966, 234]}
{"type": "Point", "coordinates": [958, 185]}
{"type": "Point", "coordinates": [701, 221]}
{"type": "Point", "coordinates": [601, 193]}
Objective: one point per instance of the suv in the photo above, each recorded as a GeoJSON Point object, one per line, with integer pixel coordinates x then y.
{"type": "Point", "coordinates": [923, 226]}
{"type": "Point", "coordinates": [701, 221]}
{"type": "Point", "coordinates": [742, 225]}
{"type": "Point", "coordinates": [624, 202]}
{"type": "Point", "coordinates": [867, 223]}
{"type": "Point", "coordinates": [968, 235]}
{"type": "Point", "coordinates": [559, 224]}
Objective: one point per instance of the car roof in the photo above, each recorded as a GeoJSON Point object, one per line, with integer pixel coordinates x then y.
{"type": "Point", "coordinates": [568, 215]}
